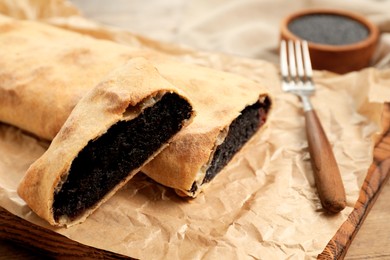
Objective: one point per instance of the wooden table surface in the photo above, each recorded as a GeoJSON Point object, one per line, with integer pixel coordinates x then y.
{"type": "Point", "coordinates": [372, 240]}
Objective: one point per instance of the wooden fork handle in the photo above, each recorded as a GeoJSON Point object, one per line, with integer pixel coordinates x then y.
{"type": "Point", "coordinates": [326, 172]}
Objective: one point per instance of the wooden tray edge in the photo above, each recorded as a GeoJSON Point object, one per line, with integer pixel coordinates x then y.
{"type": "Point", "coordinates": [376, 178]}
{"type": "Point", "coordinates": [47, 242]}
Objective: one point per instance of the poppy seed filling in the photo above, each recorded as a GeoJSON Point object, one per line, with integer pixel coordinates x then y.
{"type": "Point", "coordinates": [240, 131]}
{"type": "Point", "coordinates": [108, 160]}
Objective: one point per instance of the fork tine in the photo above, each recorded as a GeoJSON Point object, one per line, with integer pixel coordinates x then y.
{"type": "Point", "coordinates": [283, 59]}
{"type": "Point", "coordinates": [291, 59]}
{"type": "Point", "coordinates": [298, 58]}
{"type": "Point", "coordinates": [306, 60]}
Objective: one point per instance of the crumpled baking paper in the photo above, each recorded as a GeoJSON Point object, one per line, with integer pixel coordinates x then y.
{"type": "Point", "coordinates": [262, 205]}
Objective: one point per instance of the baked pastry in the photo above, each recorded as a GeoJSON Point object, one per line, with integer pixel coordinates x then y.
{"type": "Point", "coordinates": [44, 72]}
{"type": "Point", "coordinates": [230, 110]}
{"type": "Point", "coordinates": [47, 70]}
{"type": "Point", "coordinates": [114, 130]}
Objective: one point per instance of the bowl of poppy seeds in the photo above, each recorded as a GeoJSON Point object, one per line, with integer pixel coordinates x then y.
{"type": "Point", "coordinates": [339, 41]}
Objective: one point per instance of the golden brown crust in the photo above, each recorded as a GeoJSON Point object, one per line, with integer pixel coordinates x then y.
{"type": "Point", "coordinates": [44, 71]}
{"type": "Point", "coordinates": [109, 102]}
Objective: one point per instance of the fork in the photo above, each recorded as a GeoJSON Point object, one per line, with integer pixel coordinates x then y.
{"type": "Point", "coordinates": [296, 70]}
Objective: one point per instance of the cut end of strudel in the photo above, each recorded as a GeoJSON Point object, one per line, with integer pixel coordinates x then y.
{"type": "Point", "coordinates": [230, 110]}
{"type": "Point", "coordinates": [231, 139]}
{"type": "Point", "coordinates": [113, 131]}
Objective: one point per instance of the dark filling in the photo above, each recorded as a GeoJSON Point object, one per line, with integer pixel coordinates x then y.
{"type": "Point", "coordinates": [240, 131]}
{"type": "Point", "coordinates": [108, 160]}
{"type": "Point", "coordinates": [328, 29]}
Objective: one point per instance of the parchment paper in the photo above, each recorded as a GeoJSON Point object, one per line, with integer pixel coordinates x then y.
{"type": "Point", "coordinates": [262, 205]}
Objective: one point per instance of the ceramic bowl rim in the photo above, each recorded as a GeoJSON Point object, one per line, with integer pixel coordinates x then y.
{"type": "Point", "coordinates": [373, 31]}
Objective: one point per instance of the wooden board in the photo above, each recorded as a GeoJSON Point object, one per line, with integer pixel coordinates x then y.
{"type": "Point", "coordinates": [375, 180]}
{"type": "Point", "coordinates": [55, 245]}
{"type": "Point", "coordinates": [47, 242]}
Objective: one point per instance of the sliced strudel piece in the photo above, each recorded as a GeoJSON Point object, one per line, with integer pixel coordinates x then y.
{"type": "Point", "coordinates": [230, 110]}
{"type": "Point", "coordinates": [113, 131]}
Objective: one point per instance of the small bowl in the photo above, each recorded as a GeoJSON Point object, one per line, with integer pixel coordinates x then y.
{"type": "Point", "coordinates": [338, 40]}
